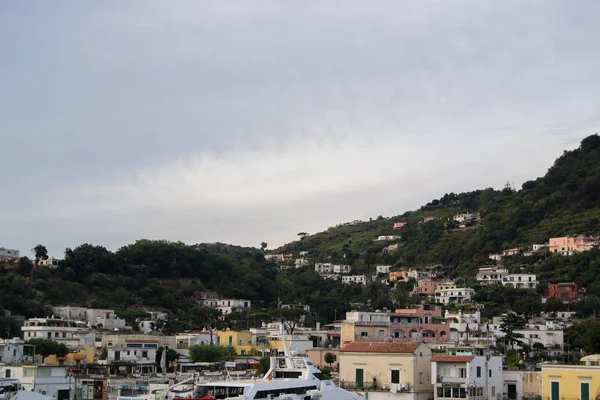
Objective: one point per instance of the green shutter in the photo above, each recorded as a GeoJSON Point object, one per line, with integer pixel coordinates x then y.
{"type": "Point", "coordinates": [585, 391]}
{"type": "Point", "coordinates": [359, 377]}
{"type": "Point", "coordinates": [555, 391]}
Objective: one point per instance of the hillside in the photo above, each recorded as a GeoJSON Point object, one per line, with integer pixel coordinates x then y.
{"type": "Point", "coordinates": [565, 201]}
{"type": "Point", "coordinates": [164, 275]}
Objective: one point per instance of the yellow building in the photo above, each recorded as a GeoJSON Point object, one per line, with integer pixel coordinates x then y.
{"type": "Point", "coordinates": [572, 381]}
{"type": "Point", "coordinates": [241, 341]}
{"type": "Point", "coordinates": [390, 366]}
{"type": "Point", "coordinates": [79, 356]}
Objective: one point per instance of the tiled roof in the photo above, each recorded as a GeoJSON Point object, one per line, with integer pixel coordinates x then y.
{"type": "Point", "coordinates": [380, 347]}
{"type": "Point", "coordinates": [452, 359]}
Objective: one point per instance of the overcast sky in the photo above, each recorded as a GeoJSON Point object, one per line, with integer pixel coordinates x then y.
{"type": "Point", "coordinates": [249, 121]}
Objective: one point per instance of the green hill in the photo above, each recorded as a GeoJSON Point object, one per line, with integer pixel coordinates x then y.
{"type": "Point", "coordinates": [162, 274]}
{"type": "Point", "coordinates": [565, 201]}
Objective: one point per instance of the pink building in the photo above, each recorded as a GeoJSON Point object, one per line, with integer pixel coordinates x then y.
{"type": "Point", "coordinates": [425, 288]}
{"type": "Point", "coordinates": [421, 323]}
{"type": "Point", "coordinates": [568, 245]}
{"type": "Point", "coordinates": [398, 225]}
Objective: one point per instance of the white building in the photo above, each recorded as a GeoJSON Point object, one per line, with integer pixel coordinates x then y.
{"type": "Point", "coordinates": [15, 351]}
{"type": "Point", "coordinates": [300, 262]}
{"type": "Point", "coordinates": [454, 294]}
{"type": "Point", "coordinates": [520, 281]}
{"type": "Point", "coordinates": [341, 269]}
{"type": "Point", "coordinates": [358, 317]}
{"type": "Point", "coordinates": [48, 380]}
{"type": "Point", "coordinates": [467, 217]}
{"type": "Point", "coordinates": [50, 262]}
{"type": "Point", "coordinates": [324, 268]}
{"type": "Point", "coordinates": [144, 358]}
{"type": "Point", "coordinates": [466, 373]}
{"type": "Point", "coordinates": [495, 256]}
{"type": "Point", "coordinates": [359, 279]}
{"type": "Point", "coordinates": [4, 252]}
{"type": "Point", "coordinates": [551, 339]}
{"type": "Point", "coordinates": [521, 384]}
{"type": "Point", "coordinates": [461, 323]}
{"type": "Point", "coordinates": [419, 275]}
{"type": "Point", "coordinates": [59, 330]}
{"type": "Point", "coordinates": [491, 275]}
{"type": "Point", "coordinates": [227, 306]}
{"type": "Point", "coordinates": [383, 269]}
{"type": "Point", "coordinates": [387, 238]}
{"type": "Point", "coordinates": [101, 318]}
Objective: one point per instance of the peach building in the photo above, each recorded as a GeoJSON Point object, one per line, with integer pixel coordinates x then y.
{"type": "Point", "coordinates": [425, 288]}
{"type": "Point", "coordinates": [568, 245]}
{"type": "Point", "coordinates": [399, 275]}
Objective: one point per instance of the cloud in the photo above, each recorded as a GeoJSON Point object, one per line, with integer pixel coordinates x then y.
{"type": "Point", "coordinates": [256, 120]}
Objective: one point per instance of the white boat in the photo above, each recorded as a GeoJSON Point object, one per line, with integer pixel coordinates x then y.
{"type": "Point", "coordinates": [288, 378]}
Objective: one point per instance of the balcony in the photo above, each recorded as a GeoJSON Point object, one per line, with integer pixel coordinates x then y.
{"type": "Point", "coordinates": [451, 379]}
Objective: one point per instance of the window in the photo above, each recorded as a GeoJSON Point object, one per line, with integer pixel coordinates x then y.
{"type": "Point", "coordinates": [381, 333]}
{"type": "Point", "coordinates": [462, 372]}
{"type": "Point", "coordinates": [395, 376]}
{"type": "Point", "coordinates": [145, 354]}
{"type": "Point", "coordinates": [479, 372]}
{"type": "Point", "coordinates": [493, 391]}
{"type": "Point", "coordinates": [363, 334]}
{"type": "Point", "coordinates": [490, 373]}
{"type": "Point", "coordinates": [7, 374]}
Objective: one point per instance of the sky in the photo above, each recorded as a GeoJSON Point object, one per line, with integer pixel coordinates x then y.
{"type": "Point", "coordinates": [250, 121]}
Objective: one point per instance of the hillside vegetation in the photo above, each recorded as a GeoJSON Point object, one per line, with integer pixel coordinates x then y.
{"type": "Point", "coordinates": [566, 201]}
{"type": "Point", "coordinates": [162, 274]}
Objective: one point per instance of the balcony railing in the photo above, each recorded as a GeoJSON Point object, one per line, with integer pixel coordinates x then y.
{"type": "Point", "coordinates": [451, 379]}
{"type": "Point", "coordinates": [377, 387]}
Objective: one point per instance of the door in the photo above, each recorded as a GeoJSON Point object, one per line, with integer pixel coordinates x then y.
{"type": "Point", "coordinates": [555, 391]}
{"type": "Point", "coordinates": [63, 395]}
{"type": "Point", "coordinates": [117, 356]}
{"type": "Point", "coordinates": [512, 391]}
{"type": "Point", "coordinates": [585, 391]}
{"type": "Point", "coordinates": [359, 377]}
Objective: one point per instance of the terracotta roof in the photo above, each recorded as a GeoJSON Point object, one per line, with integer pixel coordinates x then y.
{"type": "Point", "coordinates": [380, 347]}
{"type": "Point", "coordinates": [452, 359]}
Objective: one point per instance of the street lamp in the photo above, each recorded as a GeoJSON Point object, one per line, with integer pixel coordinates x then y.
{"type": "Point", "coordinates": [71, 387]}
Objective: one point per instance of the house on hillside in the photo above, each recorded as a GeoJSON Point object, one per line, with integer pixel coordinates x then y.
{"type": "Point", "coordinates": [387, 238]}
{"type": "Point", "coordinates": [398, 225]}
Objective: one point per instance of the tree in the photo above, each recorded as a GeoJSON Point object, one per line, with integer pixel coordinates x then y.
{"type": "Point", "coordinates": [302, 235]}
{"type": "Point", "coordinates": [103, 353]}
{"type": "Point", "coordinates": [24, 266]}
{"type": "Point", "coordinates": [40, 252]}
{"type": "Point", "coordinates": [510, 323]}
{"type": "Point", "coordinates": [330, 358]}
{"type": "Point", "coordinates": [172, 356]}
{"type": "Point", "coordinates": [47, 347]}
{"type": "Point", "coordinates": [289, 317]}
{"type": "Point", "coordinates": [207, 353]}
{"type": "Point", "coordinates": [263, 246]}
